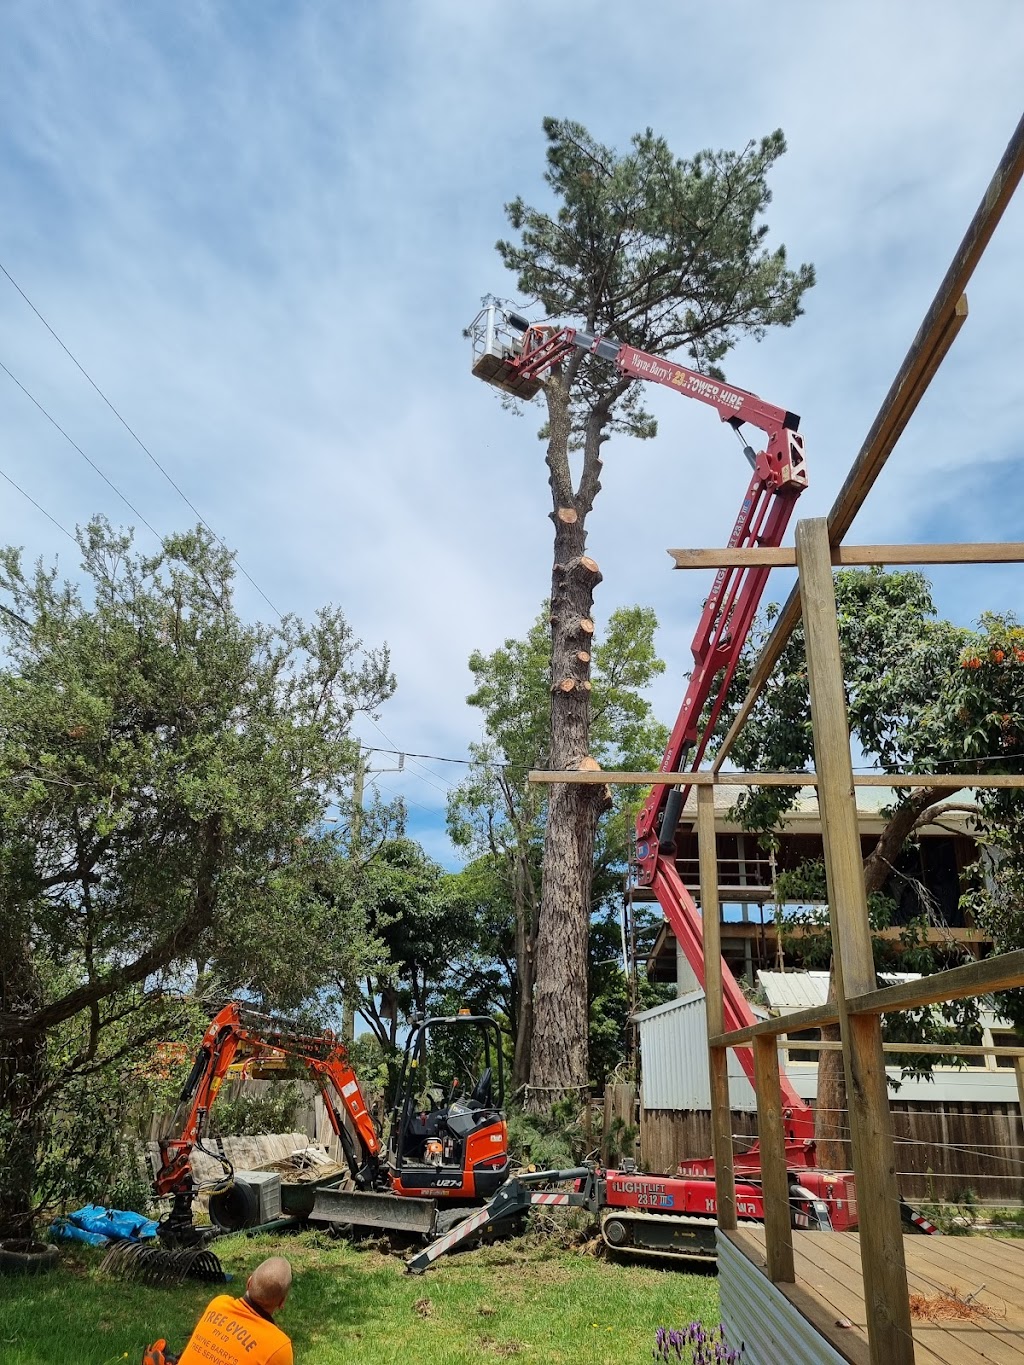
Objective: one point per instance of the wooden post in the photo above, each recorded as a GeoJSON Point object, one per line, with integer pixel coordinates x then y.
{"type": "Point", "coordinates": [1018, 1068]}
{"type": "Point", "coordinates": [718, 1057]}
{"type": "Point", "coordinates": [874, 1161]}
{"type": "Point", "coordinates": [778, 1228]}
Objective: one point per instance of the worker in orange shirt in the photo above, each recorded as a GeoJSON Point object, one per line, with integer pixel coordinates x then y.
{"type": "Point", "coordinates": [242, 1331]}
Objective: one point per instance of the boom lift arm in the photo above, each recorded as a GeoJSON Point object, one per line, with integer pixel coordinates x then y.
{"type": "Point", "coordinates": [514, 354]}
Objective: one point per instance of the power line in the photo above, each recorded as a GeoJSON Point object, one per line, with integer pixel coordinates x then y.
{"type": "Point", "coordinates": [38, 508]}
{"type": "Point", "coordinates": [137, 439]}
{"type": "Point", "coordinates": [435, 758]}
{"type": "Point", "coordinates": [443, 790]}
{"type": "Point", "coordinates": [109, 482]}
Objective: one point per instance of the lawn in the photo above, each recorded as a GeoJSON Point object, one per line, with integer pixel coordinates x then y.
{"type": "Point", "coordinates": [524, 1300]}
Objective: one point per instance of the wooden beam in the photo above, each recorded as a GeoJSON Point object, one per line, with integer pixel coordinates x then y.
{"type": "Point", "coordinates": [988, 974]}
{"type": "Point", "coordinates": [890, 1338]}
{"type": "Point", "coordinates": [815, 1016]}
{"type": "Point", "coordinates": [952, 781]}
{"type": "Point", "coordinates": [718, 1058]}
{"type": "Point", "coordinates": [938, 331]}
{"type": "Point", "coordinates": [774, 1180]}
{"type": "Point", "coordinates": [784, 557]}
{"type": "Point", "coordinates": [927, 1049]}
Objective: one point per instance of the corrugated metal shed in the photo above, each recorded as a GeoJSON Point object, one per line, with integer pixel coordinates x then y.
{"type": "Point", "coordinates": [674, 1054]}
{"type": "Point", "coordinates": [674, 1058]}
{"type": "Point", "coordinates": [759, 1317]}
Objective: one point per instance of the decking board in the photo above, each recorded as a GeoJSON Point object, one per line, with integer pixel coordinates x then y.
{"type": "Point", "coordinates": [829, 1287]}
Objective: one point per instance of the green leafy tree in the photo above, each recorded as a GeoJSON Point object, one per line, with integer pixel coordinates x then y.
{"type": "Point", "coordinates": [667, 254]}
{"type": "Point", "coordinates": [412, 905]}
{"type": "Point", "coordinates": [923, 695]}
{"type": "Point", "coordinates": [499, 818]}
{"type": "Point", "coordinates": [166, 772]}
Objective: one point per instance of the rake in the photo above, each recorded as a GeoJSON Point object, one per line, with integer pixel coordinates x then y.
{"type": "Point", "coordinates": [159, 1265]}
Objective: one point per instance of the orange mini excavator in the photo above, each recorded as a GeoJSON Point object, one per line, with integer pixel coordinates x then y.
{"type": "Point", "coordinates": [447, 1143]}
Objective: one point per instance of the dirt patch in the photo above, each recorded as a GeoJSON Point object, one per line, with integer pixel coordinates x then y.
{"type": "Point", "coordinates": [505, 1349]}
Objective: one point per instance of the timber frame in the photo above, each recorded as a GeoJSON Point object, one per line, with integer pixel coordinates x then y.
{"type": "Point", "coordinates": [859, 1002]}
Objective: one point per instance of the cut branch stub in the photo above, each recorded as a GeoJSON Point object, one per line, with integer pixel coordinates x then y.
{"type": "Point", "coordinates": [583, 656]}
{"type": "Point", "coordinates": [566, 685]}
{"type": "Point", "coordinates": [568, 516]}
{"type": "Point", "coordinates": [589, 565]}
{"type": "Point", "coordinates": [586, 625]}
{"type": "Point", "coordinates": [589, 765]}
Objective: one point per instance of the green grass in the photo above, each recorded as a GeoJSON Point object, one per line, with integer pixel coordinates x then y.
{"type": "Point", "coordinates": [521, 1300]}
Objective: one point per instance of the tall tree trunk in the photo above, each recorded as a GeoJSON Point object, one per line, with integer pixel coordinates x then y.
{"type": "Point", "coordinates": [524, 896]}
{"type": "Point", "coordinates": [559, 1053]}
{"type": "Point", "coordinates": [525, 947]}
{"type": "Point", "coordinates": [831, 1116]}
{"type": "Point", "coordinates": [22, 1076]}
{"type": "Point", "coordinates": [559, 1059]}
{"type": "Point", "coordinates": [831, 1119]}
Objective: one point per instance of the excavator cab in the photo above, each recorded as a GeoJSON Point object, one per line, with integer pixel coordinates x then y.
{"type": "Point", "coordinates": [449, 1139]}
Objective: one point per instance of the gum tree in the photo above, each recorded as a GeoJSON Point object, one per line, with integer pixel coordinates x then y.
{"type": "Point", "coordinates": [667, 254]}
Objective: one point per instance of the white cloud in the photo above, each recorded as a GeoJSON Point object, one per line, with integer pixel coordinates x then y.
{"type": "Point", "coordinates": [262, 229]}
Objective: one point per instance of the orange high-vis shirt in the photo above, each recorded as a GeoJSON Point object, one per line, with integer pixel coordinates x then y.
{"type": "Point", "coordinates": [232, 1332]}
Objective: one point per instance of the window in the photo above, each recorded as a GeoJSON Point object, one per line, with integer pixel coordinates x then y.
{"type": "Point", "coordinates": [802, 1054]}
{"type": "Point", "coordinates": [1005, 1040]}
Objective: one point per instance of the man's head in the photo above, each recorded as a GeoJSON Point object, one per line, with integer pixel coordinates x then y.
{"type": "Point", "coordinates": [269, 1283]}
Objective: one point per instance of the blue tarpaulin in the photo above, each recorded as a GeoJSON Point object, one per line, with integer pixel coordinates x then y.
{"type": "Point", "coordinates": [99, 1226]}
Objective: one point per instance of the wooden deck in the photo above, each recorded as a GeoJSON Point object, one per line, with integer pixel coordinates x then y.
{"type": "Point", "coordinates": [829, 1289]}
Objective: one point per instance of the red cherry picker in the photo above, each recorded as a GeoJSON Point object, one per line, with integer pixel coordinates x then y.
{"type": "Point", "coordinates": [661, 1215]}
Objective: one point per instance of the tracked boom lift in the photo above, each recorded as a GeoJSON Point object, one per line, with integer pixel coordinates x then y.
{"type": "Point", "coordinates": [639, 1213]}
{"type": "Point", "coordinates": [514, 355]}
{"type": "Point", "coordinates": [447, 1146]}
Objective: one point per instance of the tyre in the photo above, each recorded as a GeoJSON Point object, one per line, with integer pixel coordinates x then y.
{"type": "Point", "coordinates": [20, 1256]}
{"type": "Point", "coordinates": [235, 1208]}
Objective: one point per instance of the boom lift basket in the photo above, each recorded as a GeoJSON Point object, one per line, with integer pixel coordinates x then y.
{"type": "Point", "coordinates": [496, 347]}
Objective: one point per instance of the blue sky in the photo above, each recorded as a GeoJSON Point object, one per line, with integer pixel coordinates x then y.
{"type": "Point", "coordinates": [261, 227]}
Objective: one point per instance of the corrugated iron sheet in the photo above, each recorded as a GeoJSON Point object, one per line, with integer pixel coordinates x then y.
{"type": "Point", "coordinates": [798, 990]}
{"type": "Point", "coordinates": [760, 1317]}
{"type": "Point", "coordinates": [674, 1059]}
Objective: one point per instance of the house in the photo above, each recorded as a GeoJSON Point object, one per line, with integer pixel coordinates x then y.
{"type": "Point", "coordinates": [932, 867]}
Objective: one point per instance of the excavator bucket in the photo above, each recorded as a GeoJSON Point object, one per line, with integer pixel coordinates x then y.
{"type": "Point", "coordinates": [390, 1212]}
